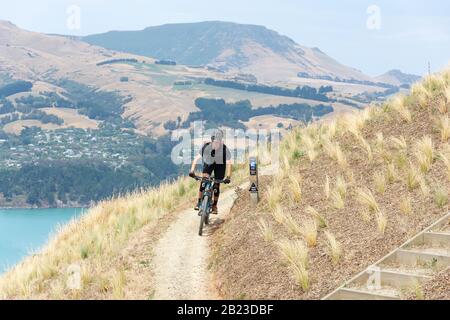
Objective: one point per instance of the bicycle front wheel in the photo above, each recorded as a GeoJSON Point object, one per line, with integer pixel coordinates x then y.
{"type": "Point", "coordinates": [204, 216]}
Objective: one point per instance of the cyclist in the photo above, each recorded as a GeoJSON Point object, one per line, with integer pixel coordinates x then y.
{"type": "Point", "coordinates": [216, 159]}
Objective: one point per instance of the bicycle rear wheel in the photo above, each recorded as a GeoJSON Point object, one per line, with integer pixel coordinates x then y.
{"type": "Point", "coordinates": [205, 215]}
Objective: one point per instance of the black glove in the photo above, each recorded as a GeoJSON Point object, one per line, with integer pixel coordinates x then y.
{"type": "Point", "coordinates": [227, 180]}
{"type": "Point", "coordinates": [192, 174]}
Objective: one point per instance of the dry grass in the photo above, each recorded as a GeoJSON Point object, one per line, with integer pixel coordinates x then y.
{"type": "Point", "coordinates": [274, 193]}
{"type": "Point", "coordinates": [335, 152]}
{"type": "Point", "coordinates": [292, 225]}
{"type": "Point", "coordinates": [367, 148]}
{"type": "Point", "coordinates": [424, 152]}
{"type": "Point", "coordinates": [398, 104]}
{"type": "Point", "coordinates": [279, 214]}
{"type": "Point", "coordinates": [381, 221]}
{"type": "Point", "coordinates": [413, 177]}
{"type": "Point", "coordinates": [391, 173]}
{"type": "Point", "coordinates": [399, 143]}
{"type": "Point", "coordinates": [266, 230]}
{"type": "Point", "coordinates": [446, 162]}
{"type": "Point", "coordinates": [440, 196]}
{"type": "Point", "coordinates": [444, 127]}
{"type": "Point", "coordinates": [396, 210]}
{"type": "Point", "coordinates": [405, 206]}
{"type": "Point", "coordinates": [379, 180]}
{"type": "Point", "coordinates": [336, 200]}
{"type": "Point", "coordinates": [308, 230]}
{"type": "Point", "coordinates": [366, 198]}
{"type": "Point", "coordinates": [295, 253]}
{"type": "Point", "coordinates": [334, 247]}
{"type": "Point", "coordinates": [93, 241]}
{"type": "Point", "coordinates": [310, 147]}
{"type": "Point", "coordinates": [319, 218]}
{"type": "Point", "coordinates": [341, 186]}
{"type": "Point", "coordinates": [295, 188]}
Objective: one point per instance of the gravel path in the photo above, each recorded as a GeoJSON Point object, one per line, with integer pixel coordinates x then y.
{"type": "Point", "coordinates": [181, 256]}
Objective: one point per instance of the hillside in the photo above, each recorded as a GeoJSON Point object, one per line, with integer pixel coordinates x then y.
{"type": "Point", "coordinates": [68, 104]}
{"type": "Point", "coordinates": [153, 94]}
{"type": "Point", "coordinates": [348, 192]}
{"type": "Point", "coordinates": [227, 46]}
{"type": "Point", "coordinates": [398, 78]}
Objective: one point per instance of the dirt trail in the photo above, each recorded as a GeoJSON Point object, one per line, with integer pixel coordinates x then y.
{"type": "Point", "coordinates": [181, 256]}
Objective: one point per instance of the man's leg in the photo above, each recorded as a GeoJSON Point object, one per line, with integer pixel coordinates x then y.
{"type": "Point", "coordinates": [219, 173]}
{"type": "Point", "coordinates": [216, 198]}
{"type": "Point", "coordinates": [201, 190]}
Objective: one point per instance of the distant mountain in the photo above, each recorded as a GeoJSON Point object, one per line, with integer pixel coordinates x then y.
{"type": "Point", "coordinates": [398, 78]}
{"type": "Point", "coordinates": [228, 46]}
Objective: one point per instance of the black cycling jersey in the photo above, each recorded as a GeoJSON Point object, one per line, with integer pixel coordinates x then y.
{"type": "Point", "coordinates": [214, 161]}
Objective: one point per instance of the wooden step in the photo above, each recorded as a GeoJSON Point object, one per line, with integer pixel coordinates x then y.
{"type": "Point", "coordinates": [390, 278]}
{"type": "Point", "coordinates": [412, 257]}
{"type": "Point", "coordinates": [433, 239]}
{"type": "Point", "coordinates": [356, 294]}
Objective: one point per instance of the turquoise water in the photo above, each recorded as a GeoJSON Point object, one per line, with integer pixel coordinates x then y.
{"type": "Point", "coordinates": [23, 231]}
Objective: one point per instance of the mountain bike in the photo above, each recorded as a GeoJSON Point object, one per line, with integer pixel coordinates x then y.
{"type": "Point", "coordinates": [207, 201]}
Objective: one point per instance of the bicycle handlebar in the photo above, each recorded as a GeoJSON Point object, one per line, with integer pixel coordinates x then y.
{"type": "Point", "coordinates": [208, 179]}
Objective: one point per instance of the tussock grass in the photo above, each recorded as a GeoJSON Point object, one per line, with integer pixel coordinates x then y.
{"type": "Point", "coordinates": [274, 194]}
{"type": "Point", "coordinates": [295, 253]}
{"type": "Point", "coordinates": [292, 225]}
{"type": "Point", "coordinates": [399, 143]}
{"type": "Point", "coordinates": [444, 127]}
{"type": "Point", "coordinates": [433, 85]}
{"type": "Point", "coordinates": [420, 94]}
{"type": "Point", "coordinates": [424, 189]}
{"type": "Point", "coordinates": [445, 159]}
{"type": "Point", "coordinates": [379, 180]}
{"type": "Point", "coordinates": [424, 152]}
{"type": "Point", "coordinates": [440, 196]}
{"type": "Point", "coordinates": [334, 247]}
{"type": "Point", "coordinates": [405, 206]}
{"type": "Point", "coordinates": [308, 230]}
{"type": "Point", "coordinates": [447, 96]}
{"type": "Point", "coordinates": [367, 148]}
{"type": "Point", "coordinates": [336, 200]}
{"type": "Point", "coordinates": [278, 214]}
{"type": "Point", "coordinates": [301, 276]}
{"type": "Point", "coordinates": [335, 152]}
{"type": "Point", "coordinates": [413, 177]}
{"type": "Point", "coordinates": [118, 285]}
{"type": "Point", "coordinates": [341, 186]}
{"type": "Point", "coordinates": [266, 230]}
{"type": "Point", "coordinates": [92, 241]}
{"type": "Point", "coordinates": [366, 198]}
{"type": "Point", "coordinates": [398, 104]}
{"type": "Point", "coordinates": [443, 106]}
{"type": "Point", "coordinates": [310, 147]}
{"type": "Point", "coordinates": [295, 188]}
{"type": "Point", "coordinates": [391, 173]}
{"type": "Point", "coordinates": [380, 144]}
{"type": "Point", "coordinates": [319, 218]}
{"type": "Point", "coordinates": [381, 221]}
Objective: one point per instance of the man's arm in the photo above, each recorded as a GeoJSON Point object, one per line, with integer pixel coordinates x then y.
{"type": "Point", "coordinates": [229, 169]}
{"type": "Point", "coordinates": [194, 163]}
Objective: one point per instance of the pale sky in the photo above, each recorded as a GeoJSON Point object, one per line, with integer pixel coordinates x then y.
{"type": "Point", "coordinates": [403, 34]}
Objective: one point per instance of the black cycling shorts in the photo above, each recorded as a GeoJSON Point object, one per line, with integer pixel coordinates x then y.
{"type": "Point", "coordinates": [218, 170]}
